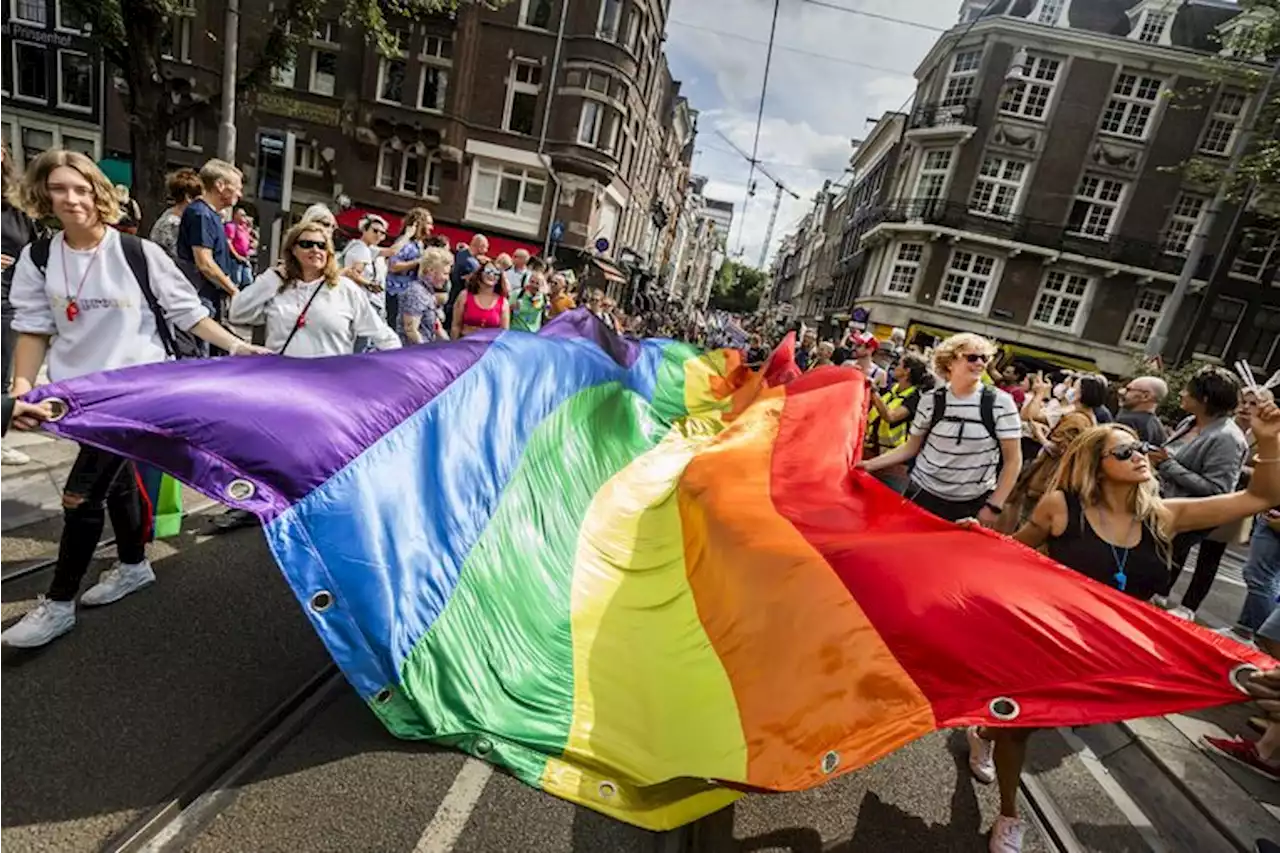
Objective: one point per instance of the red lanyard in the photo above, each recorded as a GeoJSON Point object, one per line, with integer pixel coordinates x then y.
{"type": "Point", "coordinates": [73, 309]}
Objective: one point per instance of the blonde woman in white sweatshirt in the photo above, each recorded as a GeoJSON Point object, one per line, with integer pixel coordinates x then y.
{"type": "Point", "coordinates": [85, 312]}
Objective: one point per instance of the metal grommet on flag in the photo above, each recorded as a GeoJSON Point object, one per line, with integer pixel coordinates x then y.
{"type": "Point", "coordinates": [240, 490]}
{"type": "Point", "coordinates": [58, 408]}
{"type": "Point", "coordinates": [608, 790]}
{"type": "Point", "coordinates": [1239, 676]}
{"type": "Point", "coordinates": [383, 696]}
{"type": "Point", "coordinates": [484, 746]}
{"type": "Point", "coordinates": [321, 601]}
{"type": "Point", "coordinates": [830, 762]}
{"type": "Point", "coordinates": [1004, 709]}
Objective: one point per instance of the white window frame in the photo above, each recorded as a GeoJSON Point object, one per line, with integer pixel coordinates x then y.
{"type": "Point", "coordinates": [1220, 119]}
{"type": "Point", "coordinates": [1148, 34]}
{"type": "Point", "coordinates": [903, 262]}
{"type": "Point", "coordinates": [384, 65]}
{"type": "Point", "coordinates": [589, 134]}
{"type": "Point", "coordinates": [1044, 7]}
{"type": "Point", "coordinates": [968, 277]}
{"type": "Point", "coordinates": [15, 15]}
{"type": "Point", "coordinates": [1128, 103]}
{"type": "Point", "coordinates": [964, 76]}
{"type": "Point", "coordinates": [602, 29]}
{"type": "Point", "coordinates": [57, 17]}
{"type": "Point", "coordinates": [183, 38]}
{"type": "Point", "coordinates": [385, 150]}
{"type": "Point", "coordinates": [327, 32]}
{"type": "Point", "coordinates": [1269, 257]}
{"type": "Point", "coordinates": [1039, 78]}
{"type": "Point", "coordinates": [1001, 184]}
{"type": "Point", "coordinates": [514, 87]}
{"type": "Point", "coordinates": [437, 57]}
{"type": "Point", "coordinates": [487, 209]}
{"type": "Point", "coordinates": [1183, 225]}
{"type": "Point", "coordinates": [62, 103]}
{"type": "Point", "coordinates": [285, 76]}
{"type": "Point", "coordinates": [926, 172]}
{"type": "Point", "coordinates": [526, 6]}
{"type": "Point", "coordinates": [635, 27]}
{"type": "Point", "coordinates": [1145, 315]}
{"type": "Point", "coordinates": [306, 158]}
{"type": "Point", "coordinates": [184, 136]}
{"type": "Point", "coordinates": [442, 90]}
{"type": "Point", "coordinates": [1115, 206]}
{"type": "Point", "coordinates": [18, 95]}
{"type": "Point", "coordinates": [311, 82]}
{"type": "Point", "coordinates": [1275, 340]}
{"type": "Point", "coordinates": [1052, 294]}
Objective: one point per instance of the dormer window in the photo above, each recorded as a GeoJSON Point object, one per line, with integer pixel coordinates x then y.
{"type": "Point", "coordinates": [1151, 21]}
{"type": "Point", "coordinates": [1240, 37]}
{"type": "Point", "coordinates": [1049, 12]}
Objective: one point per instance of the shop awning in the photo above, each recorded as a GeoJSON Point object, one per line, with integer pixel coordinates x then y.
{"type": "Point", "coordinates": [611, 272]}
{"type": "Point", "coordinates": [117, 171]}
{"type": "Point", "coordinates": [349, 221]}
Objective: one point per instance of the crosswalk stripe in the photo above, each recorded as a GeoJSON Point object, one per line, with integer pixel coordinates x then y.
{"type": "Point", "coordinates": [455, 809]}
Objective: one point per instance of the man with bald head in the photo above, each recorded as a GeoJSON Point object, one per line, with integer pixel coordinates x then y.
{"type": "Point", "coordinates": [464, 264]}
{"type": "Point", "coordinates": [1138, 404]}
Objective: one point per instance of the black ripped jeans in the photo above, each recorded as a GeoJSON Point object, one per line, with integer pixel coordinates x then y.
{"type": "Point", "coordinates": [100, 483]}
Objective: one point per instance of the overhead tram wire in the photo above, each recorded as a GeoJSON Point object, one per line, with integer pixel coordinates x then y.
{"type": "Point", "coordinates": [796, 50]}
{"type": "Point", "coordinates": [918, 25]}
{"type": "Point", "coordinates": [755, 144]}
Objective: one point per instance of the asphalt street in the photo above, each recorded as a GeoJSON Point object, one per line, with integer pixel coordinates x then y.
{"type": "Point", "coordinates": [106, 722]}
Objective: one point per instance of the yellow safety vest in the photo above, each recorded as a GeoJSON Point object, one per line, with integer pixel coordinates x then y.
{"type": "Point", "coordinates": [886, 435]}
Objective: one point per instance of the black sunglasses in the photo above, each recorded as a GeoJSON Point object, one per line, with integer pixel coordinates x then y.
{"type": "Point", "coordinates": [976, 357]}
{"type": "Point", "coordinates": [1125, 452]}
{"type": "Point", "coordinates": [311, 244]}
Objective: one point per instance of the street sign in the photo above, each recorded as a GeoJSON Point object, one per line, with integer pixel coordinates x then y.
{"type": "Point", "coordinates": [602, 245]}
{"type": "Point", "coordinates": [557, 231]}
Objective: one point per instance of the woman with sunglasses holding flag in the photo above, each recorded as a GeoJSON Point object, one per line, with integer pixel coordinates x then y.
{"type": "Point", "coordinates": [483, 305]}
{"type": "Point", "coordinates": [1104, 518]}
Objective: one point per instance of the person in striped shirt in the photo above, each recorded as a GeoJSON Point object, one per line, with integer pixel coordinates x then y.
{"type": "Point", "coordinates": [965, 438]}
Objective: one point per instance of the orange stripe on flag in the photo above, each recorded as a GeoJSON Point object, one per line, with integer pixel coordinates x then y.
{"type": "Point", "coordinates": [795, 644]}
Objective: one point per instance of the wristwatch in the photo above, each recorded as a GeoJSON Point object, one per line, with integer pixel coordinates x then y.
{"type": "Point", "coordinates": [996, 509]}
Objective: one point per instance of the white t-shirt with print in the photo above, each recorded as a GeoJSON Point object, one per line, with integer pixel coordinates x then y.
{"type": "Point", "coordinates": [959, 458]}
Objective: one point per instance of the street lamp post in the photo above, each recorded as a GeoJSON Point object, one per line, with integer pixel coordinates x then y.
{"type": "Point", "coordinates": [230, 59]}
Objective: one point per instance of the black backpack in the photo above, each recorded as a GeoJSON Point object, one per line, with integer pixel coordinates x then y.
{"type": "Point", "coordinates": [177, 343]}
{"type": "Point", "coordinates": [986, 412]}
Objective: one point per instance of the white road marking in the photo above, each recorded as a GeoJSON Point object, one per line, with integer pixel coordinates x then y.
{"type": "Point", "coordinates": [455, 809]}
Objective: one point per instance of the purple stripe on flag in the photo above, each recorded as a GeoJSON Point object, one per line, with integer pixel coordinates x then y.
{"type": "Point", "coordinates": [581, 323]}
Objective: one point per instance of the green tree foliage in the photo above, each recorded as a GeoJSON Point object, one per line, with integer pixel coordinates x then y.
{"type": "Point", "coordinates": [738, 288]}
{"type": "Point", "coordinates": [1251, 51]}
{"type": "Point", "coordinates": [132, 35]}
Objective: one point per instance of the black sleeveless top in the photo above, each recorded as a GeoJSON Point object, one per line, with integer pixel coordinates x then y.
{"type": "Point", "coordinates": [1080, 548]}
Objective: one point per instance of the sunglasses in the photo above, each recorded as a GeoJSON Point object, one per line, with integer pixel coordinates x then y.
{"type": "Point", "coordinates": [1125, 452]}
{"type": "Point", "coordinates": [311, 244]}
{"type": "Point", "coordinates": [490, 271]}
{"type": "Point", "coordinates": [976, 357]}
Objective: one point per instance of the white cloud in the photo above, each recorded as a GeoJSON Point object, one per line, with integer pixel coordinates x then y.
{"type": "Point", "coordinates": [814, 105]}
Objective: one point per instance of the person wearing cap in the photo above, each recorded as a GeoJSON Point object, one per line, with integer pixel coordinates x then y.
{"type": "Point", "coordinates": [864, 348]}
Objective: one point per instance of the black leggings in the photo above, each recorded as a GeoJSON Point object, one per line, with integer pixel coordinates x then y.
{"type": "Point", "coordinates": [1207, 560]}
{"type": "Point", "coordinates": [104, 484]}
{"type": "Point", "coordinates": [1180, 550]}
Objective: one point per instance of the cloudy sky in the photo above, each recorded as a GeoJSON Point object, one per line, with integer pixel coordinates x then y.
{"type": "Point", "coordinates": [831, 72]}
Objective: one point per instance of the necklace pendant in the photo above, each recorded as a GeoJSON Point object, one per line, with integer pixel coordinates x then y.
{"type": "Point", "coordinates": [73, 311]}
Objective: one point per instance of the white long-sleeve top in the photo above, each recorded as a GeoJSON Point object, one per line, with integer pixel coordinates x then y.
{"type": "Point", "coordinates": [336, 317]}
{"type": "Point", "coordinates": [114, 327]}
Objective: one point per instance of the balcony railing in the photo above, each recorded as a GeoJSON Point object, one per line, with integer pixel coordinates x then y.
{"type": "Point", "coordinates": [1038, 232]}
{"type": "Point", "coordinates": [964, 113]}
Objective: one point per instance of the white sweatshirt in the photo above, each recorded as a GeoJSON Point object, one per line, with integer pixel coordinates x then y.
{"type": "Point", "coordinates": [114, 327]}
{"type": "Point", "coordinates": [337, 316]}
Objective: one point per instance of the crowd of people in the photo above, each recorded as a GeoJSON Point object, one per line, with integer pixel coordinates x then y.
{"type": "Point", "coordinates": [1119, 496]}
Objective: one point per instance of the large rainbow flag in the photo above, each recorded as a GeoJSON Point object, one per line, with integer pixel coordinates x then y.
{"type": "Point", "coordinates": [637, 576]}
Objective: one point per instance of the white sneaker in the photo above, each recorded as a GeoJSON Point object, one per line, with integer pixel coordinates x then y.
{"type": "Point", "coordinates": [48, 621]}
{"type": "Point", "coordinates": [982, 762]}
{"type": "Point", "coordinates": [10, 456]}
{"type": "Point", "coordinates": [1183, 613]}
{"type": "Point", "coordinates": [115, 583]}
{"type": "Point", "coordinates": [1161, 601]}
{"type": "Point", "coordinates": [1006, 835]}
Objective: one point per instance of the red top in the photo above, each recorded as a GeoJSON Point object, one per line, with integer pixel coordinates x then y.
{"type": "Point", "coordinates": [476, 317]}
